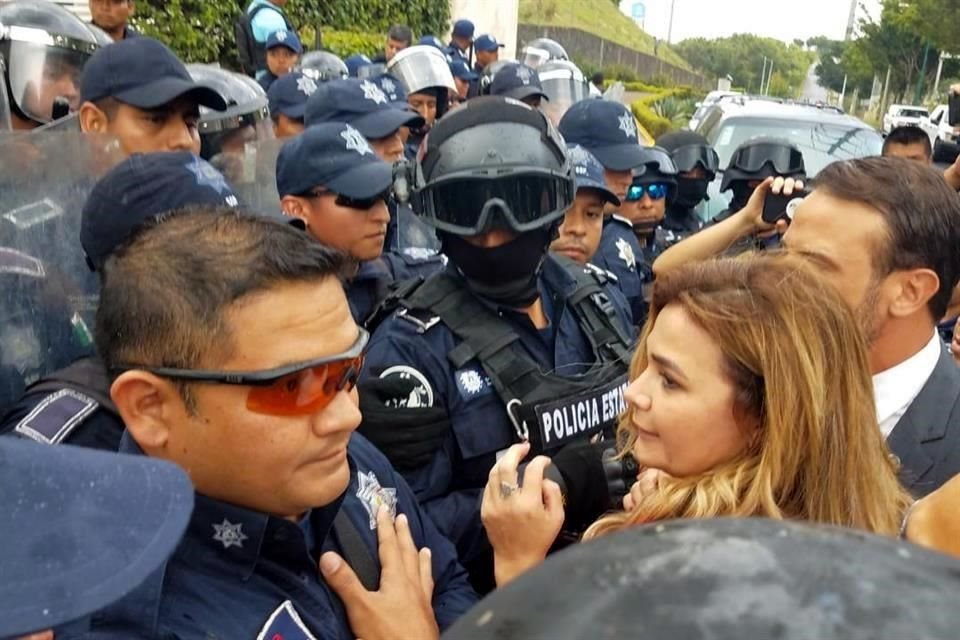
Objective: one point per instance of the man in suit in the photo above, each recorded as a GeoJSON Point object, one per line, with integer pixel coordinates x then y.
{"type": "Point", "coordinates": [885, 232]}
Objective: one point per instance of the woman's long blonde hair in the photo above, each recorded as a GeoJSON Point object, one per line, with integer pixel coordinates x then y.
{"type": "Point", "coordinates": [797, 358]}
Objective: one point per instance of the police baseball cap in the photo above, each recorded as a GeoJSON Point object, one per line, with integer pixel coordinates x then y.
{"type": "Point", "coordinates": [393, 88]}
{"type": "Point", "coordinates": [588, 173]}
{"type": "Point", "coordinates": [355, 63]}
{"type": "Point", "coordinates": [284, 38]}
{"type": "Point", "coordinates": [332, 155]}
{"type": "Point", "coordinates": [517, 81]}
{"type": "Point", "coordinates": [143, 73]}
{"type": "Point", "coordinates": [463, 29]}
{"type": "Point", "coordinates": [727, 579]}
{"type": "Point", "coordinates": [432, 41]}
{"type": "Point", "coordinates": [288, 95]}
{"type": "Point", "coordinates": [141, 188]}
{"type": "Point", "coordinates": [607, 129]}
{"type": "Point", "coordinates": [81, 529]}
{"type": "Point", "coordinates": [460, 69]}
{"type": "Point", "coordinates": [360, 103]}
{"type": "Point", "coordinates": [487, 43]}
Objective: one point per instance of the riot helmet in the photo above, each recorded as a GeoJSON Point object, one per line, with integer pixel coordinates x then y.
{"type": "Point", "coordinates": [371, 70]}
{"type": "Point", "coordinates": [762, 158]}
{"type": "Point", "coordinates": [245, 120]}
{"type": "Point", "coordinates": [691, 153]}
{"type": "Point", "coordinates": [424, 69]}
{"type": "Point", "coordinates": [495, 165]}
{"type": "Point", "coordinates": [564, 84]}
{"type": "Point", "coordinates": [542, 50]}
{"type": "Point", "coordinates": [43, 48]}
{"type": "Point", "coordinates": [323, 66]}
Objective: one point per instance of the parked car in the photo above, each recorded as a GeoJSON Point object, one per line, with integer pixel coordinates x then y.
{"type": "Point", "coordinates": [712, 98]}
{"type": "Point", "coordinates": [901, 115]}
{"type": "Point", "coordinates": [944, 138]}
{"type": "Point", "coordinates": [824, 135]}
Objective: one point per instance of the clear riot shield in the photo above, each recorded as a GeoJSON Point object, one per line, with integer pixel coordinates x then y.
{"type": "Point", "coordinates": [252, 172]}
{"type": "Point", "coordinates": [49, 293]}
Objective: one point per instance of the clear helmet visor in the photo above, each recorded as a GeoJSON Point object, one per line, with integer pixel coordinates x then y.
{"type": "Point", "coordinates": [44, 79]}
{"type": "Point", "coordinates": [563, 90]}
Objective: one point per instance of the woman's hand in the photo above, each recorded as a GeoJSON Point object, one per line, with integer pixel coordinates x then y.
{"type": "Point", "coordinates": [522, 522]}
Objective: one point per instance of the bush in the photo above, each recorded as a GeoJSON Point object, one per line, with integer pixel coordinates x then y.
{"type": "Point", "coordinates": [347, 43]}
{"type": "Point", "coordinates": [653, 123]}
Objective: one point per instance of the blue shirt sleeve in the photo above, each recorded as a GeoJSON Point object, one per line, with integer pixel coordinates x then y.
{"type": "Point", "coordinates": [266, 22]}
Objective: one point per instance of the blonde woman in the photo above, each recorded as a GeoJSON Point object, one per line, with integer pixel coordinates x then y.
{"type": "Point", "coordinates": [750, 395]}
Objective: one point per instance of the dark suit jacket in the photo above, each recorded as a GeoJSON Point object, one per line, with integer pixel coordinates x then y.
{"type": "Point", "coordinates": [927, 437]}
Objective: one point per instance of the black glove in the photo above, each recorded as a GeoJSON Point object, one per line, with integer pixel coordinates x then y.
{"type": "Point", "coordinates": [409, 437]}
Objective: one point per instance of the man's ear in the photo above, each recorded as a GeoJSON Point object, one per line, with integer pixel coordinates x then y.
{"type": "Point", "coordinates": [149, 406]}
{"type": "Point", "coordinates": [914, 289]}
{"type": "Point", "coordinates": [92, 119]}
{"type": "Point", "coordinates": [293, 207]}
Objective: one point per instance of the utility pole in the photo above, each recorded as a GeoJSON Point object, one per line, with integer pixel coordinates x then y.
{"type": "Point", "coordinates": [763, 74]}
{"type": "Point", "coordinates": [851, 20]}
{"type": "Point", "coordinates": [918, 94]}
{"type": "Point", "coordinates": [769, 77]}
{"type": "Point", "coordinates": [886, 88]}
{"type": "Point", "coordinates": [673, 6]}
{"type": "Point", "coordinates": [843, 92]}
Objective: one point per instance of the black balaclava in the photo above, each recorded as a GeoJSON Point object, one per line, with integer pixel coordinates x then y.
{"type": "Point", "coordinates": [690, 192]}
{"type": "Point", "coordinates": [506, 275]}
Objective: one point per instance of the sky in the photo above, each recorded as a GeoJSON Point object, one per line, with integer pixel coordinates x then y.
{"type": "Point", "coordinates": [781, 19]}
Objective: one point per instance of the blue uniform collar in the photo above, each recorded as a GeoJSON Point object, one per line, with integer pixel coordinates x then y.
{"type": "Point", "coordinates": [235, 538]}
{"type": "Point", "coordinates": [375, 269]}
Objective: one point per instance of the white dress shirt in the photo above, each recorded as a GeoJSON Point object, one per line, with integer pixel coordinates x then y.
{"type": "Point", "coordinates": [897, 387]}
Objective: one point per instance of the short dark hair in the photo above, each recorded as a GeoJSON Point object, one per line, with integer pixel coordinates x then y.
{"type": "Point", "coordinates": [109, 106]}
{"type": "Point", "coordinates": [597, 79]}
{"type": "Point", "coordinates": [165, 294]}
{"type": "Point", "coordinates": [400, 33]}
{"type": "Point", "coordinates": [908, 135]}
{"type": "Point", "coordinates": [921, 212]}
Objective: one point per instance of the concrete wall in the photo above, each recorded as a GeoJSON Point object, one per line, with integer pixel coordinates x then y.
{"type": "Point", "coordinates": [587, 47]}
{"type": "Point", "coordinates": [496, 17]}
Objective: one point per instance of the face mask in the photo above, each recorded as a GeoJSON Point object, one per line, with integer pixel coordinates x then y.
{"type": "Point", "coordinates": [506, 275]}
{"type": "Point", "coordinates": [691, 191]}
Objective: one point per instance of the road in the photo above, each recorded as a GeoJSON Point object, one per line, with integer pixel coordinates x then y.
{"type": "Point", "coordinates": [811, 90]}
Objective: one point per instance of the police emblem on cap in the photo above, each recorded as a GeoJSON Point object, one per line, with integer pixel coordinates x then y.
{"type": "Point", "coordinates": [388, 85]}
{"type": "Point", "coordinates": [306, 85]}
{"type": "Point", "coordinates": [524, 75]}
{"type": "Point", "coordinates": [229, 534]}
{"type": "Point", "coordinates": [207, 176]}
{"type": "Point", "coordinates": [628, 126]}
{"type": "Point", "coordinates": [373, 92]}
{"type": "Point", "coordinates": [626, 253]}
{"type": "Point", "coordinates": [581, 170]}
{"type": "Point", "coordinates": [421, 395]}
{"type": "Point", "coordinates": [373, 496]}
{"type": "Point", "coordinates": [355, 141]}
{"type": "Point", "coordinates": [282, 34]}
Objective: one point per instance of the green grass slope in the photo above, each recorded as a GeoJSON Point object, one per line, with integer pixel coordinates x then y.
{"type": "Point", "coordinates": [599, 17]}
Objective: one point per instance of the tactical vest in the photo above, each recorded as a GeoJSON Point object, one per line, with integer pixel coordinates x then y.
{"type": "Point", "coordinates": [548, 410]}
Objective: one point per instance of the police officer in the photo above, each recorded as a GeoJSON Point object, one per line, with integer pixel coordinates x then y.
{"type": "Point", "coordinates": [138, 91]}
{"type": "Point", "coordinates": [608, 131]}
{"type": "Point", "coordinates": [489, 73]}
{"type": "Point", "coordinates": [261, 18]}
{"type": "Point", "coordinates": [43, 49]}
{"type": "Point", "coordinates": [362, 104]}
{"type": "Point", "coordinates": [73, 405]}
{"type": "Point", "coordinates": [290, 504]}
{"type": "Point", "coordinates": [487, 50]}
{"type": "Point", "coordinates": [141, 506]}
{"type": "Point", "coordinates": [287, 99]}
{"type": "Point", "coordinates": [750, 164]}
{"type": "Point", "coordinates": [330, 179]}
{"type": "Point", "coordinates": [464, 79]}
{"type": "Point", "coordinates": [225, 133]}
{"type": "Point", "coordinates": [283, 55]}
{"type": "Point", "coordinates": [697, 165]}
{"type": "Point", "coordinates": [520, 82]}
{"type": "Point", "coordinates": [113, 16]}
{"type": "Point", "coordinates": [461, 40]}
{"type": "Point", "coordinates": [541, 50]}
{"type": "Point", "coordinates": [509, 342]}
{"type": "Point", "coordinates": [425, 74]}
{"type": "Point", "coordinates": [654, 185]}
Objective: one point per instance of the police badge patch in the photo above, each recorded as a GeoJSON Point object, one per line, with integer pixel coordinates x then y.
{"type": "Point", "coordinates": [285, 624]}
{"type": "Point", "coordinates": [421, 393]}
{"type": "Point", "coordinates": [626, 253]}
{"type": "Point", "coordinates": [373, 496]}
{"type": "Point", "coordinates": [473, 383]}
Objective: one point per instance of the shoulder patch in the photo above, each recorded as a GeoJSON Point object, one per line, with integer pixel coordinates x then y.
{"type": "Point", "coordinates": [422, 320]}
{"type": "Point", "coordinates": [373, 495]}
{"type": "Point", "coordinates": [285, 624]}
{"type": "Point", "coordinates": [421, 393]}
{"type": "Point", "coordinates": [472, 383]}
{"type": "Point", "coordinates": [57, 416]}
{"type": "Point", "coordinates": [625, 253]}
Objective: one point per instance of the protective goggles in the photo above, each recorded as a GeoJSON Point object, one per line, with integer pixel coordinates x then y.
{"type": "Point", "coordinates": [689, 157]}
{"type": "Point", "coordinates": [297, 389]}
{"type": "Point", "coordinates": [467, 204]}
{"type": "Point", "coordinates": [784, 159]}
{"type": "Point", "coordinates": [656, 191]}
{"type": "Point", "coordinates": [656, 161]}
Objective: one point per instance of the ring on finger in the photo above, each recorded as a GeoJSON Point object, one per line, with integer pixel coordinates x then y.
{"type": "Point", "coordinates": [507, 489]}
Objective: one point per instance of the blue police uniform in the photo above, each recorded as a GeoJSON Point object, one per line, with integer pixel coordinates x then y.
{"type": "Point", "coordinates": [375, 279]}
{"type": "Point", "coordinates": [620, 254]}
{"type": "Point", "coordinates": [242, 574]}
{"type": "Point", "coordinates": [449, 486]}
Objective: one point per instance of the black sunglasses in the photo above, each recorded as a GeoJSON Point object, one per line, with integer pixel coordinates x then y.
{"type": "Point", "coordinates": [360, 204]}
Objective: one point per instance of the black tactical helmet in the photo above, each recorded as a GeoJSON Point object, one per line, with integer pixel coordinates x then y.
{"type": "Point", "coordinates": [690, 150]}
{"type": "Point", "coordinates": [536, 52]}
{"type": "Point", "coordinates": [246, 118]}
{"type": "Point", "coordinates": [762, 158]}
{"type": "Point", "coordinates": [43, 48]}
{"type": "Point", "coordinates": [323, 66]}
{"type": "Point", "coordinates": [656, 167]}
{"type": "Point", "coordinates": [493, 162]}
